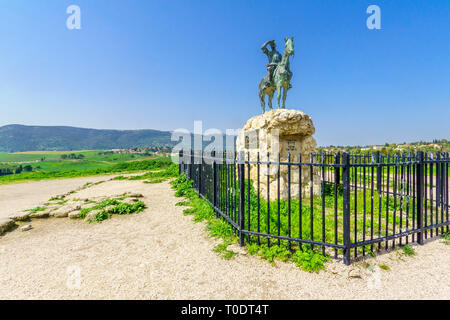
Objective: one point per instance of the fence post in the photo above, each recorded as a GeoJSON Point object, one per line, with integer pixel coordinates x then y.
{"type": "Point", "coordinates": [338, 170]}
{"type": "Point", "coordinates": [214, 167]}
{"type": "Point", "coordinates": [241, 173]}
{"type": "Point", "coordinates": [378, 171]}
{"type": "Point", "coordinates": [200, 173]}
{"type": "Point", "coordinates": [180, 162]}
{"type": "Point", "coordinates": [346, 205]}
{"type": "Point", "coordinates": [191, 165]}
{"type": "Point", "coordinates": [419, 195]}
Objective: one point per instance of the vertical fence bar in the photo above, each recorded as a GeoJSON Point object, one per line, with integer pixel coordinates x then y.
{"type": "Point", "coordinates": [214, 179]}
{"type": "Point", "coordinates": [446, 196]}
{"type": "Point", "coordinates": [200, 173]}
{"type": "Point", "coordinates": [395, 187]}
{"type": "Point", "coordinates": [248, 195]}
{"type": "Point", "coordinates": [259, 200]}
{"type": "Point", "coordinates": [430, 173]}
{"type": "Point", "coordinates": [180, 161]}
{"type": "Point", "coordinates": [289, 199]}
{"type": "Point", "coordinates": [323, 203]}
{"type": "Point", "coordinates": [371, 201]}
{"type": "Point", "coordinates": [355, 181]}
{"type": "Point", "coordinates": [241, 169]}
{"type": "Point", "coordinates": [311, 196]}
{"type": "Point", "coordinates": [378, 158]}
{"type": "Point", "coordinates": [278, 197]}
{"type": "Point", "coordinates": [346, 206]}
{"type": "Point", "coordinates": [300, 228]}
{"type": "Point", "coordinates": [364, 204]}
{"type": "Point", "coordinates": [336, 193]}
{"type": "Point", "coordinates": [419, 195]}
{"type": "Point", "coordinates": [268, 198]}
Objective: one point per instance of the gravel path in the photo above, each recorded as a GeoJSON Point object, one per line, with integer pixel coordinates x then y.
{"type": "Point", "coordinates": [161, 254]}
{"type": "Point", "coordinates": [25, 195]}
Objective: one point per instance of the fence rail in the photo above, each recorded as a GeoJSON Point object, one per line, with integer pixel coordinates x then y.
{"type": "Point", "coordinates": [346, 205]}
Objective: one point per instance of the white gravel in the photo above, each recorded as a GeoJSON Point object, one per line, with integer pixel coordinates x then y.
{"type": "Point", "coordinates": [161, 254]}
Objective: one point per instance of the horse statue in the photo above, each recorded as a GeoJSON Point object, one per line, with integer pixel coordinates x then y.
{"type": "Point", "coordinates": [279, 75]}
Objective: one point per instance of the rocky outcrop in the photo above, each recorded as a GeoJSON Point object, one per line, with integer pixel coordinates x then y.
{"type": "Point", "coordinates": [6, 224]}
{"type": "Point", "coordinates": [284, 132]}
{"type": "Point", "coordinates": [21, 216]}
{"type": "Point", "coordinates": [65, 210]}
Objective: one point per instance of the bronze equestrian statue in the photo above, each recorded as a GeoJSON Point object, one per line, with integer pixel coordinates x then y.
{"type": "Point", "coordinates": [278, 73]}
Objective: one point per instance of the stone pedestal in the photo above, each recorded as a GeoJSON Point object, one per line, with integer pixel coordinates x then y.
{"type": "Point", "coordinates": [283, 132]}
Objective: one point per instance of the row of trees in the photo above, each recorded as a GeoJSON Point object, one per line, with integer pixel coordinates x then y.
{"type": "Point", "coordinates": [17, 170]}
{"type": "Point", "coordinates": [72, 156]}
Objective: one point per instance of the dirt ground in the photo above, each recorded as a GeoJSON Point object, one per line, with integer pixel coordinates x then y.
{"type": "Point", "coordinates": [161, 254]}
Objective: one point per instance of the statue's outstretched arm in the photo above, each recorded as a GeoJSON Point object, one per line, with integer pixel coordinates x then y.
{"type": "Point", "coordinates": [264, 46]}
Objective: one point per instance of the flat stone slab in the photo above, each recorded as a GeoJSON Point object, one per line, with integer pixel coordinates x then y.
{"type": "Point", "coordinates": [21, 216]}
{"type": "Point", "coordinates": [64, 211]}
{"type": "Point", "coordinates": [89, 205]}
{"type": "Point", "coordinates": [6, 224]}
{"type": "Point", "coordinates": [41, 214]}
{"type": "Point", "coordinates": [74, 214]}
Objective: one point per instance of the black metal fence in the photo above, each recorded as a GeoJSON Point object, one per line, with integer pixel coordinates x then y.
{"type": "Point", "coordinates": [348, 205]}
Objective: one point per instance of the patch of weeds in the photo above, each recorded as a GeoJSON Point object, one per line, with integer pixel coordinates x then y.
{"type": "Point", "coordinates": [58, 203]}
{"type": "Point", "coordinates": [446, 238]}
{"type": "Point", "coordinates": [384, 267]}
{"type": "Point", "coordinates": [202, 211]}
{"type": "Point", "coordinates": [99, 217]}
{"type": "Point", "coordinates": [156, 180]}
{"type": "Point", "coordinates": [408, 250]}
{"type": "Point", "coordinates": [117, 208]}
{"type": "Point", "coordinates": [274, 252]}
{"type": "Point", "coordinates": [310, 260]}
{"type": "Point", "coordinates": [222, 249]}
{"type": "Point", "coordinates": [219, 229]}
{"type": "Point", "coordinates": [128, 208]}
{"type": "Point", "coordinates": [120, 178]}
{"type": "Point", "coordinates": [371, 253]}
{"type": "Point", "coordinates": [105, 203]}
{"type": "Point", "coordinates": [182, 204]}
{"type": "Point", "coordinates": [34, 210]}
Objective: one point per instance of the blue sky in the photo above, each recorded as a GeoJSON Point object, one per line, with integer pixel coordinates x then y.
{"type": "Point", "coordinates": [163, 64]}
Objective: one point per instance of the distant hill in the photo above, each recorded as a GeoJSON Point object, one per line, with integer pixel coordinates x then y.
{"type": "Point", "coordinates": [18, 138]}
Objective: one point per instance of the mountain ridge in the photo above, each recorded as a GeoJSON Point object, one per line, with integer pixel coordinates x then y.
{"type": "Point", "coordinates": [20, 138]}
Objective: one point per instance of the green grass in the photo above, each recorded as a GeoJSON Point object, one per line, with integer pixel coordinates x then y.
{"type": "Point", "coordinates": [34, 210]}
{"type": "Point", "coordinates": [384, 267]}
{"type": "Point", "coordinates": [81, 168]}
{"type": "Point", "coordinates": [307, 258]}
{"type": "Point", "coordinates": [112, 206]}
{"type": "Point", "coordinates": [408, 250]}
{"type": "Point", "coordinates": [446, 238]}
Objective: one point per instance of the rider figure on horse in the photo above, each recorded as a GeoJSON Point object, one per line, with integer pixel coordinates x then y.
{"type": "Point", "coordinates": [274, 58]}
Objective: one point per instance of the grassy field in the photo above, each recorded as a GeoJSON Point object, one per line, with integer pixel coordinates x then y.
{"type": "Point", "coordinates": [46, 165]}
